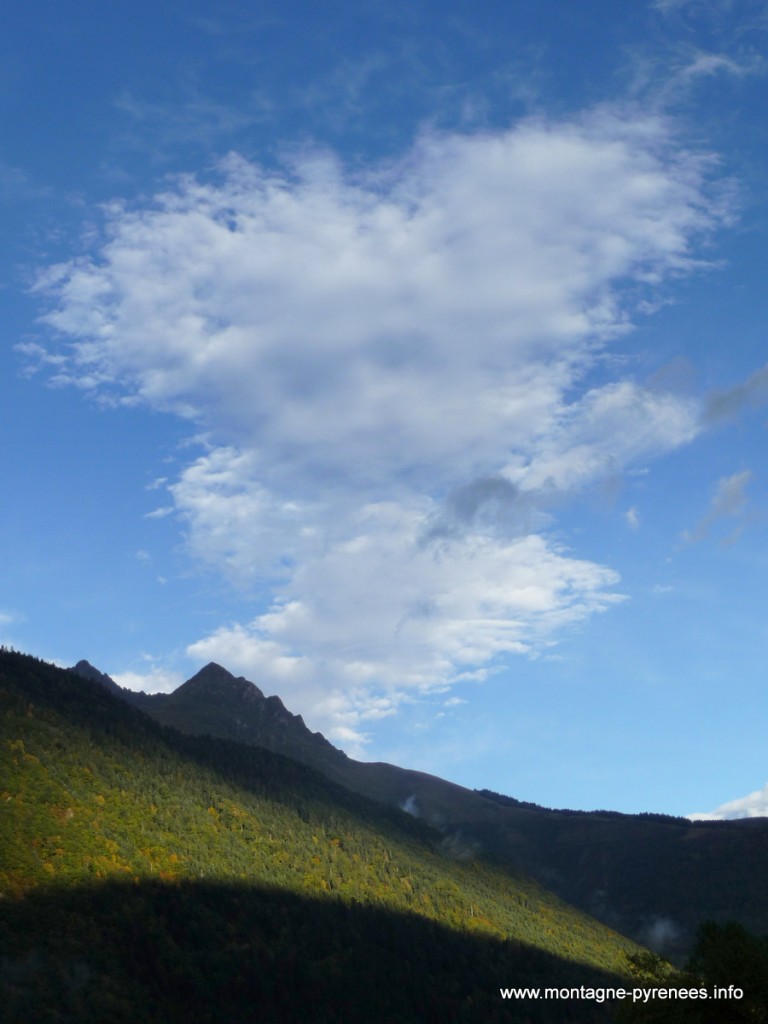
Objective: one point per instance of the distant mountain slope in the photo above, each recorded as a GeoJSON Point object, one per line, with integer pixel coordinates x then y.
{"type": "Point", "coordinates": [216, 703]}
{"type": "Point", "coordinates": [177, 832]}
{"type": "Point", "coordinates": [652, 877]}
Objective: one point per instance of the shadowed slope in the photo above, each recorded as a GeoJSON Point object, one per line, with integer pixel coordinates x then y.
{"type": "Point", "coordinates": [205, 953]}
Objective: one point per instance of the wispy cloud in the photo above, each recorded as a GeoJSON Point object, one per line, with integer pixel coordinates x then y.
{"type": "Point", "coordinates": [700, 42]}
{"type": "Point", "coordinates": [196, 121]}
{"type": "Point", "coordinates": [16, 185]}
{"type": "Point", "coordinates": [668, 80]}
{"type": "Point", "coordinates": [731, 402]}
{"type": "Point", "coordinates": [729, 502]}
{"type": "Point", "coordinates": [698, 6]}
{"type": "Point", "coordinates": [392, 370]}
{"type": "Point", "coordinates": [9, 620]}
{"type": "Point", "coordinates": [704, 64]}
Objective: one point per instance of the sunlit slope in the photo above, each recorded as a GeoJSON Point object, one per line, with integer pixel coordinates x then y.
{"type": "Point", "coordinates": [648, 875]}
{"type": "Point", "coordinates": [93, 790]}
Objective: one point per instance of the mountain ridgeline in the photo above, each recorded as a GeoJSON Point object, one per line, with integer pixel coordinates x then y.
{"type": "Point", "coordinates": [216, 703]}
{"type": "Point", "coordinates": [148, 874]}
{"type": "Point", "coordinates": [649, 876]}
{"type": "Point", "coordinates": [202, 856]}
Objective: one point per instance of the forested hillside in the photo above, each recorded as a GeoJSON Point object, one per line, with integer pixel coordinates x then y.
{"type": "Point", "coordinates": [655, 877]}
{"type": "Point", "coordinates": [646, 875]}
{"type": "Point", "coordinates": [148, 875]}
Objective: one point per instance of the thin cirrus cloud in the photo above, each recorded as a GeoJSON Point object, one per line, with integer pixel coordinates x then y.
{"type": "Point", "coordinates": [730, 402]}
{"type": "Point", "coordinates": [729, 503]}
{"type": "Point", "coordinates": [391, 371]}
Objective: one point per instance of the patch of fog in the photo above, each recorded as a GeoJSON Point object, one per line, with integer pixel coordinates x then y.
{"type": "Point", "coordinates": [660, 933]}
{"type": "Point", "coordinates": [459, 847]}
{"type": "Point", "coordinates": [411, 806]}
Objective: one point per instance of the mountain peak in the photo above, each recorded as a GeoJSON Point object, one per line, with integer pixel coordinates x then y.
{"type": "Point", "coordinates": [213, 670]}
{"type": "Point", "coordinates": [216, 702]}
{"type": "Point", "coordinates": [87, 671]}
{"type": "Point", "coordinates": [215, 681]}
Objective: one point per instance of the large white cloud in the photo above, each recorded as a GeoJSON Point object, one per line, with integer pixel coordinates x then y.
{"type": "Point", "coordinates": [397, 368]}
{"type": "Point", "coordinates": [387, 609]}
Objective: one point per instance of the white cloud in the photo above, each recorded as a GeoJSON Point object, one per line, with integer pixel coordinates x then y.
{"type": "Point", "coordinates": [754, 805]}
{"type": "Point", "coordinates": [608, 429]}
{"type": "Point", "coordinates": [632, 518]}
{"type": "Point", "coordinates": [156, 680]}
{"type": "Point", "coordinates": [381, 609]}
{"type": "Point", "coordinates": [392, 368]}
{"type": "Point", "coordinates": [704, 64]}
{"type": "Point", "coordinates": [160, 513]}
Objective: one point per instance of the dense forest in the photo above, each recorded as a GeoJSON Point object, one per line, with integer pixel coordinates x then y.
{"type": "Point", "coordinates": [655, 877]}
{"type": "Point", "coordinates": [147, 874]}
{"type": "Point", "coordinates": [648, 876]}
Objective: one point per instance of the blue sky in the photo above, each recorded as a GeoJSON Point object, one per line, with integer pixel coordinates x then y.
{"type": "Point", "coordinates": [408, 359]}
